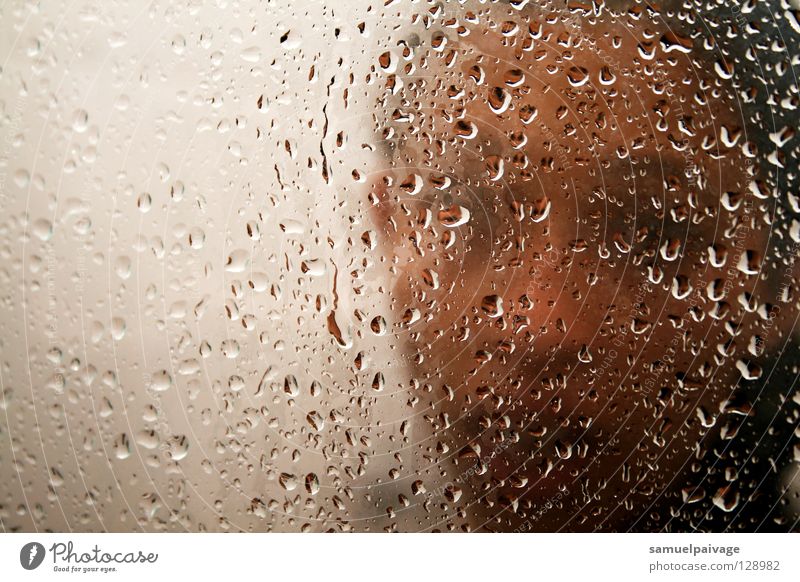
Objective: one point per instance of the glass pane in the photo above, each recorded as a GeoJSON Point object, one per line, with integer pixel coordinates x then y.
{"type": "Point", "coordinates": [399, 266]}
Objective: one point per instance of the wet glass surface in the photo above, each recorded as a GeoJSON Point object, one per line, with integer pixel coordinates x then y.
{"type": "Point", "coordinates": [399, 266]}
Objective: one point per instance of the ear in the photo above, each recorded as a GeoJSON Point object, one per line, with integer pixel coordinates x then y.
{"type": "Point", "coordinates": [772, 301]}
{"type": "Point", "coordinates": [778, 301]}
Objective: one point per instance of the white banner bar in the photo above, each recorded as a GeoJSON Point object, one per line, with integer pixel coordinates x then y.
{"type": "Point", "coordinates": [376, 557]}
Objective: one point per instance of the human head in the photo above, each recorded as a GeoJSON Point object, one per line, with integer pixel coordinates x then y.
{"type": "Point", "coordinates": [577, 229]}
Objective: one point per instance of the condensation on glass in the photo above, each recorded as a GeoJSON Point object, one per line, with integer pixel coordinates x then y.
{"type": "Point", "coordinates": [399, 266]}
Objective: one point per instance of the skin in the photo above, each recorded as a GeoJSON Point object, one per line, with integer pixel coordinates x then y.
{"type": "Point", "coordinates": [623, 236]}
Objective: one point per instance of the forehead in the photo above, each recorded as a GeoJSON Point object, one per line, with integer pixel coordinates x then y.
{"type": "Point", "coordinates": [619, 85]}
{"type": "Point", "coordinates": [577, 51]}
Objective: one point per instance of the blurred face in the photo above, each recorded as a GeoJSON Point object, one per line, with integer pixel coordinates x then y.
{"type": "Point", "coordinates": [573, 227]}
